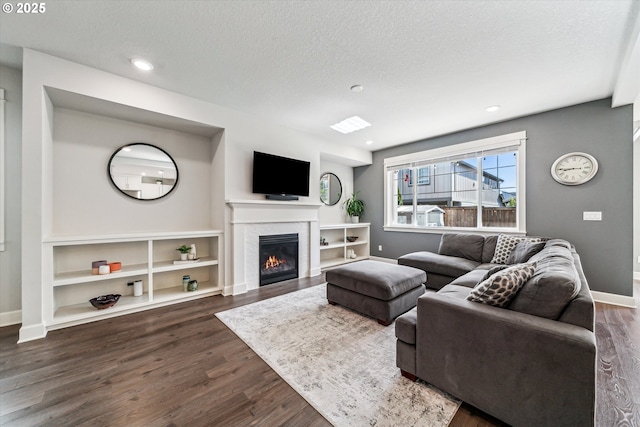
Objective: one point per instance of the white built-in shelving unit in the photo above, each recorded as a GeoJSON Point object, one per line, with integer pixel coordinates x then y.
{"type": "Point", "coordinates": [69, 283]}
{"type": "Point", "coordinates": [336, 251]}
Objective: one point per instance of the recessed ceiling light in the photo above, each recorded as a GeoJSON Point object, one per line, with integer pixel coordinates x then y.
{"type": "Point", "coordinates": [141, 64]}
{"type": "Point", "coordinates": [369, 142]}
{"type": "Point", "coordinates": [356, 88]}
{"type": "Point", "coordinates": [143, 173]}
{"type": "Point", "coordinates": [351, 124]}
{"type": "Point", "coordinates": [492, 108]}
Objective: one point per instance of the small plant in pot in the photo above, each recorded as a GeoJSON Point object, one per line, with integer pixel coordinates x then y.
{"type": "Point", "coordinates": [354, 207]}
{"type": "Point", "coordinates": [184, 251]}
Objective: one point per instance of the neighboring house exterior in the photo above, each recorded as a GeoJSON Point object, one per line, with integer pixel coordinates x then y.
{"type": "Point", "coordinates": [452, 184]}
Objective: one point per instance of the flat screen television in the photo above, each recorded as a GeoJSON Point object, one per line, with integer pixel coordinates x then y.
{"type": "Point", "coordinates": [280, 177]}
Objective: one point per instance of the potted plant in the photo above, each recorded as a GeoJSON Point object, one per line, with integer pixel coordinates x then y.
{"type": "Point", "coordinates": [354, 207]}
{"type": "Point", "coordinates": [184, 251]}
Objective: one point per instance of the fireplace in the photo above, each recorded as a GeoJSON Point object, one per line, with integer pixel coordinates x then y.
{"type": "Point", "coordinates": [278, 258]}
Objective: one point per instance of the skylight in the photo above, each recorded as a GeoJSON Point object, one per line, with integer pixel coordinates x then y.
{"type": "Point", "coordinates": [351, 124]}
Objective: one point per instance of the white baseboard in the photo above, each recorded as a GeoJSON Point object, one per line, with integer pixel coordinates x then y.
{"type": "Point", "coordinates": [10, 318]}
{"type": "Point", "coordinates": [614, 299]}
{"type": "Point", "coordinates": [235, 289]}
{"type": "Point", "coordinates": [381, 259]}
{"type": "Point", "coordinates": [33, 332]}
{"type": "Point", "coordinates": [315, 272]}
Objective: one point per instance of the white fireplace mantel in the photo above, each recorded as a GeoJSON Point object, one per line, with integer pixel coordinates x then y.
{"type": "Point", "coordinates": [253, 218]}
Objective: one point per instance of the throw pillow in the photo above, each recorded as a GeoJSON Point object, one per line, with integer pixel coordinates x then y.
{"type": "Point", "coordinates": [500, 288]}
{"type": "Point", "coordinates": [506, 244]}
{"type": "Point", "coordinates": [523, 251]}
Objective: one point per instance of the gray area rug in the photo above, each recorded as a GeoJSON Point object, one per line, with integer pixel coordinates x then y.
{"type": "Point", "coordinates": [342, 363]}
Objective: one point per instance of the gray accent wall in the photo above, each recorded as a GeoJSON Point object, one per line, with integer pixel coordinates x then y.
{"type": "Point", "coordinates": [552, 209]}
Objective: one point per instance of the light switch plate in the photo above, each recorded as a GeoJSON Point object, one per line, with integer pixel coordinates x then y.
{"type": "Point", "coordinates": [592, 216]}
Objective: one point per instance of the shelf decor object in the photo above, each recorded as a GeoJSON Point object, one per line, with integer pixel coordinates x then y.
{"type": "Point", "coordinates": [105, 301]}
{"type": "Point", "coordinates": [354, 207]}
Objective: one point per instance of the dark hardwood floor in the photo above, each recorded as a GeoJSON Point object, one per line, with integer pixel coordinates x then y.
{"type": "Point", "coordinates": [179, 365]}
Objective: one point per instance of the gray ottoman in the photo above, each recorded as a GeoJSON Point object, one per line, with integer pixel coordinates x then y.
{"type": "Point", "coordinates": [377, 289]}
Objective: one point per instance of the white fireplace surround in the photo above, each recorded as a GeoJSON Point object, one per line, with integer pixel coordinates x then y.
{"type": "Point", "coordinates": [251, 219]}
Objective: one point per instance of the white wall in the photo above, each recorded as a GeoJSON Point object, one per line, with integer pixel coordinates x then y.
{"type": "Point", "coordinates": [10, 273]}
{"type": "Point", "coordinates": [336, 214]}
{"type": "Point", "coordinates": [86, 203]}
{"type": "Point", "coordinates": [242, 134]}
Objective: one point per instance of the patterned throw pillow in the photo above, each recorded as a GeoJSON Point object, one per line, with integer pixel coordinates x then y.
{"type": "Point", "coordinates": [500, 288]}
{"type": "Point", "coordinates": [506, 244]}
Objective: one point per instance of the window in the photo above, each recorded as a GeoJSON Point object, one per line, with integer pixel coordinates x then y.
{"type": "Point", "coordinates": [478, 185]}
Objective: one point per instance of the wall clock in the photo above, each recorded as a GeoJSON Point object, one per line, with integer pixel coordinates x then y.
{"type": "Point", "coordinates": [574, 168]}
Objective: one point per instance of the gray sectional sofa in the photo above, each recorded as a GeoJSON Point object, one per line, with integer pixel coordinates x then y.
{"type": "Point", "coordinates": [531, 362]}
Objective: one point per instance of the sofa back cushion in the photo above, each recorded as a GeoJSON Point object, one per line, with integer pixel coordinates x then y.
{"type": "Point", "coordinates": [467, 246]}
{"type": "Point", "coordinates": [554, 284]}
{"type": "Point", "coordinates": [523, 251]}
{"type": "Point", "coordinates": [489, 248]}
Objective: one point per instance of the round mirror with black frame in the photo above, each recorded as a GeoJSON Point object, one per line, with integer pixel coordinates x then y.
{"type": "Point", "coordinates": [330, 189]}
{"type": "Point", "coordinates": [143, 171]}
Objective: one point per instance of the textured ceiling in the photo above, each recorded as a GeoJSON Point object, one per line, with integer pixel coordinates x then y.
{"type": "Point", "coordinates": [427, 67]}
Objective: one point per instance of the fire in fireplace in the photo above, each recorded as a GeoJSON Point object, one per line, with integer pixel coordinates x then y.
{"type": "Point", "coordinates": [278, 258]}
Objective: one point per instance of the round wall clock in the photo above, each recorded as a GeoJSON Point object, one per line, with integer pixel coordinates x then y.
{"type": "Point", "coordinates": [574, 168]}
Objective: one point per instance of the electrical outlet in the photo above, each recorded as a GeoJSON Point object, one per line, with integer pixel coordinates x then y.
{"type": "Point", "coordinates": [592, 216]}
{"type": "Point", "coordinates": [380, 248]}
{"type": "Point", "coordinates": [639, 260]}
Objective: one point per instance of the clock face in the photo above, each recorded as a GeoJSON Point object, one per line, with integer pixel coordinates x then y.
{"type": "Point", "coordinates": [574, 168]}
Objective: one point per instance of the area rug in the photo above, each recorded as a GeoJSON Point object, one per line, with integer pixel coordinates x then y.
{"type": "Point", "coordinates": [340, 362]}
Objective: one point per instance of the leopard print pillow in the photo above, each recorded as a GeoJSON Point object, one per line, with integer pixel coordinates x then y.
{"type": "Point", "coordinates": [500, 288]}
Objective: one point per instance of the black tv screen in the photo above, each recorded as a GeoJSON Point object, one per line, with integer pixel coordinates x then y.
{"type": "Point", "coordinates": [275, 175]}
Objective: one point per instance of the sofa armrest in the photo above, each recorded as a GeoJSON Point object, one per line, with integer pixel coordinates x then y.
{"type": "Point", "coordinates": [522, 369]}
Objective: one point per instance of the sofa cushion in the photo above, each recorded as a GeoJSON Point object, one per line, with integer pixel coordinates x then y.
{"type": "Point", "coordinates": [523, 251]}
{"type": "Point", "coordinates": [499, 289]}
{"type": "Point", "coordinates": [489, 248]}
{"type": "Point", "coordinates": [445, 265]}
{"type": "Point", "coordinates": [552, 251]}
{"type": "Point", "coordinates": [559, 242]}
{"type": "Point", "coordinates": [453, 291]}
{"type": "Point", "coordinates": [505, 245]}
{"type": "Point", "coordinates": [406, 326]}
{"type": "Point", "coordinates": [471, 279]}
{"type": "Point", "coordinates": [467, 246]}
{"type": "Point", "coordinates": [554, 284]}
{"type": "Point", "coordinates": [493, 270]}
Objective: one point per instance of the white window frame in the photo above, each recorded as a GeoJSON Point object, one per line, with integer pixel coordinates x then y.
{"type": "Point", "coordinates": [516, 140]}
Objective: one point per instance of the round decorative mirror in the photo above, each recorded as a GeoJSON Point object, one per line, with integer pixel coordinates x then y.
{"type": "Point", "coordinates": [143, 171]}
{"type": "Point", "coordinates": [330, 189]}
